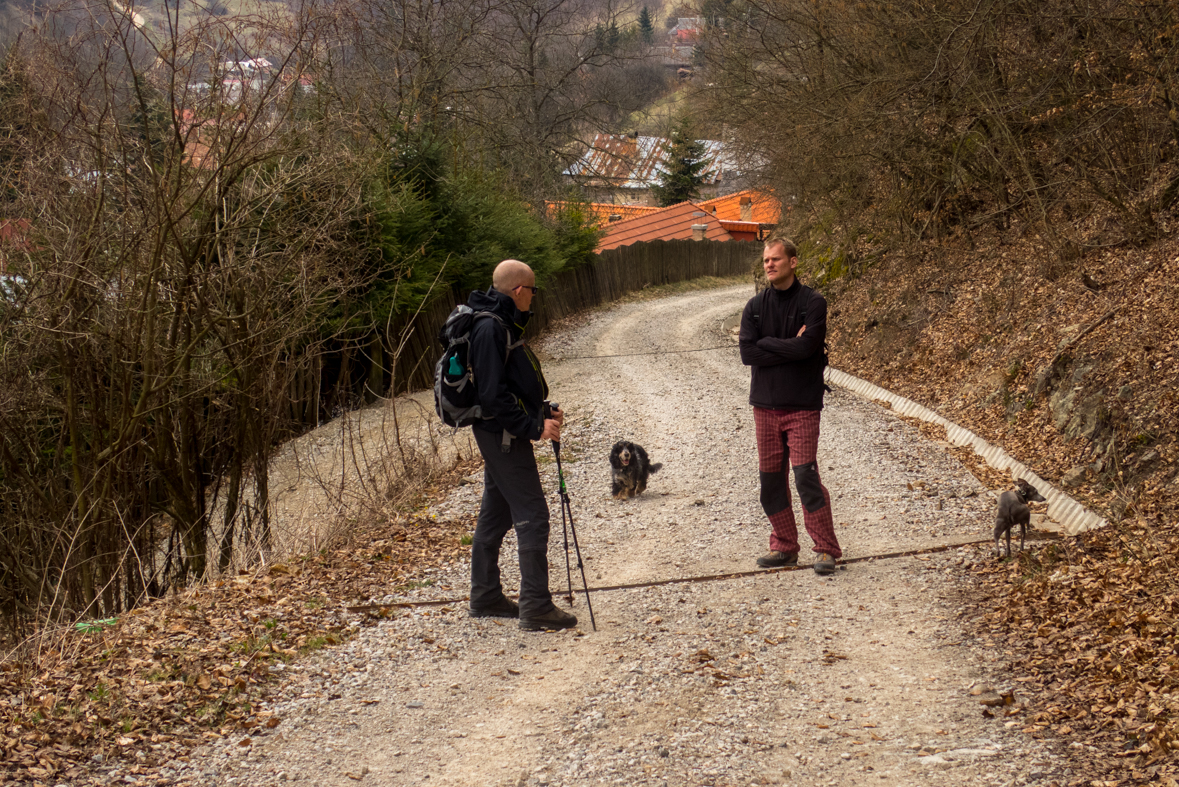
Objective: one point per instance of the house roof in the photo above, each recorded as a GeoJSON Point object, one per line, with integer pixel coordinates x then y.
{"type": "Point", "coordinates": [741, 226]}
{"type": "Point", "coordinates": [600, 212]}
{"type": "Point", "coordinates": [14, 235]}
{"type": "Point", "coordinates": [663, 224]}
{"type": "Point", "coordinates": [634, 162]}
{"type": "Point", "coordinates": [766, 208]}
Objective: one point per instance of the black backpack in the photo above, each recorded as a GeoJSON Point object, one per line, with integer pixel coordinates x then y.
{"type": "Point", "coordinates": [456, 398]}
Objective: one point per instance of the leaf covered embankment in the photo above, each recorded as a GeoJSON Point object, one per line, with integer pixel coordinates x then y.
{"type": "Point", "coordinates": [171, 673]}
{"type": "Point", "coordinates": [1076, 377]}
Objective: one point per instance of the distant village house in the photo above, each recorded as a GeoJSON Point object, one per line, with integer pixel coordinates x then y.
{"type": "Point", "coordinates": [622, 169]}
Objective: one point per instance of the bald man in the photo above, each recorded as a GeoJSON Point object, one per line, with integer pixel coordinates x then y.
{"type": "Point", "coordinates": [512, 392]}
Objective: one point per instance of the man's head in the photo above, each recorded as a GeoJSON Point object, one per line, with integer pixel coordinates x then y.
{"type": "Point", "coordinates": [515, 280]}
{"type": "Point", "coordinates": [779, 258]}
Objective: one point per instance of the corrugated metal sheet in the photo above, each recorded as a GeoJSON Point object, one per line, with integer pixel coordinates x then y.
{"type": "Point", "coordinates": [637, 162]}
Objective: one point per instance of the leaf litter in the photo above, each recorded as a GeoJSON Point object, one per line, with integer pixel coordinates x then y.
{"type": "Point", "coordinates": [173, 673]}
{"type": "Point", "coordinates": [1088, 622]}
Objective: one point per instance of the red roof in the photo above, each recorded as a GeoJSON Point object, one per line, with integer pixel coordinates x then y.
{"type": "Point", "coordinates": [637, 162]}
{"type": "Point", "coordinates": [601, 212]}
{"type": "Point", "coordinates": [14, 234]}
{"type": "Point", "coordinates": [663, 224]}
{"type": "Point", "coordinates": [766, 208]}
{"type": "Point", "coordinates": [742, 230]}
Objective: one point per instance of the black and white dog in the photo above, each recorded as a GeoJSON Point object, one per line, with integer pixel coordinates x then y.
{"type": "Point", "coordinates": [629, 468]}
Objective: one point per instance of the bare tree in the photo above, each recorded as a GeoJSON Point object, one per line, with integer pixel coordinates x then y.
{"type": "Point", "coordinates": [189, 232]}
{"type": "Point", "coordinates": [510, 86]}
{"type": "Point", "coordinates": [951, 118]}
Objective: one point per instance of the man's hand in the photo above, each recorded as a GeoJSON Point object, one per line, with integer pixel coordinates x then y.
{"type": "Point", "coordinates": [552, 430]}
{"type": "Point", "coordinates": [801, 331]}
{"type": "Point", "coordinates": [558, 416]}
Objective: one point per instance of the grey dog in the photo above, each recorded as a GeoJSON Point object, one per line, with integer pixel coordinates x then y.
{"type": "Point", "coordinates": [1013, 509]}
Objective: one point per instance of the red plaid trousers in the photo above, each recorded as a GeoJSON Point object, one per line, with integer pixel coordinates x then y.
{"type": "Point", "coordinates": [793, 435]}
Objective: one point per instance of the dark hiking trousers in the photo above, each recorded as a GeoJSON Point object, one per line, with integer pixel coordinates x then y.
{"type": "Point", "coordinates": [512, 497]}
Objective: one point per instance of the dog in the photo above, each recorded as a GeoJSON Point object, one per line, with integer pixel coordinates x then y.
{"type": "Point", "coordinates": [630, 468]}
{"type": "Point", "coordinates": [1013, 509]}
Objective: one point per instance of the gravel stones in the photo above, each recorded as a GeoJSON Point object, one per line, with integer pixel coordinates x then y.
{"type": "Point", "coordinates": [864, 677]}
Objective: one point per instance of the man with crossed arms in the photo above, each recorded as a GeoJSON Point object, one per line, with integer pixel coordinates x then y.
{"type": "Point", "coordinates": [783, 329]}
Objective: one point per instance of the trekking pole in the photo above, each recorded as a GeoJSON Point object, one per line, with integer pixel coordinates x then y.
{"type": "Point", "coordinates": [564, 529]}
{"type": "Point", "coordinates": [566, 507]}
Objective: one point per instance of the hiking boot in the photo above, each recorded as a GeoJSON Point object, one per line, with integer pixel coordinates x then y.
{"type": "Point", "coordinates": [554, 619]}
{"type": "Point", "coordinates": [778, 559]}
{"type": "Point", "coordinates": [824, 564]}
{"type": "Point", "coordinates": [504, 608]}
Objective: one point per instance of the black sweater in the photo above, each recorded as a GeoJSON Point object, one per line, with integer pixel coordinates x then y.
{"type": "Point", "coordinates": [787, 368]}
{"type": "Point", "coordinates": [512, 395]}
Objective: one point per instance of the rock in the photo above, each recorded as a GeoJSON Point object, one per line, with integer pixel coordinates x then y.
{"type": "Point", "coordinates": [1148, 458]}
{"type": "Point", "coordinates": [934, 761]}
{"type": "Point", "coordinates": [1074, 477]}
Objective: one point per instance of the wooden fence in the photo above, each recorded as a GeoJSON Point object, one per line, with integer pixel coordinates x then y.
{"type": "Point", "coordinates": [403, 358]}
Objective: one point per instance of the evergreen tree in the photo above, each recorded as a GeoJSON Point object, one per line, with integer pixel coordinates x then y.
{"type": "Point", "coordinates": [613, 36]}
{"type": "Point", "coordinates": [683, 167]}
{"type": "Point", "coordinates": [646, 27]}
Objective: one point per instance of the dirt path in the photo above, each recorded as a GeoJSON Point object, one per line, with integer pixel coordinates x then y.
{"type": "Point", "coordinates": [866, 677]}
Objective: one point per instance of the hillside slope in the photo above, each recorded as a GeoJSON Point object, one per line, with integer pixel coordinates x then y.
{"type": "Point", "coordinates": [1074, 373]}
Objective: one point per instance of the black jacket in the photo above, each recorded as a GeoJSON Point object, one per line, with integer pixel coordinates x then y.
{"type": "Point", "coordinates": [512, 395]}
{"type": "Point", "coordinates": [787, 368]}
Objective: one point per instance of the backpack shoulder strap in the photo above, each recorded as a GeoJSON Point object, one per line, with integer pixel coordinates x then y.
{"type": "Point", "coordinates": [806, 294]}
{"type": "Point", "coordinates": [508, 334]}
{"type": "Point", "coordinates": [759, 307]}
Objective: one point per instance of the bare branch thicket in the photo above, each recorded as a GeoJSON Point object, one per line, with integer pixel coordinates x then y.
{"type": "Point", "coordinates": [509, 86]}
{"type": "Point", "coordinates": [933, 120]}
{"type": "Point", "coordinates": [555, 80]}
{"type": "Point", "coordinates": [189, 234]}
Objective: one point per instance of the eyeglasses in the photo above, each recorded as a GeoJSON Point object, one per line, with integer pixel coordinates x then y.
{"type": "Point", "coordinates": [526, 287]}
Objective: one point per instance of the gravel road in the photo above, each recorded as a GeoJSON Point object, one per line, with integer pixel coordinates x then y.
{"type": "Point", "coordinates": [870, 676]}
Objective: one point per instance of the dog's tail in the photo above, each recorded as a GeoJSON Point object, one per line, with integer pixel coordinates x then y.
{"type": "Point", "coordinates": [654, 468]}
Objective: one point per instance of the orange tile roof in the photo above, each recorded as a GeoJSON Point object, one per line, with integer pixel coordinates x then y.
{"type": "Point", "coordinates": [663, 224]}
{"type": "Point", "coordinates": [766, 208]}
{"type": "Point", "coordinates": [742, 230]}
{"type": "Point", "coordinates": [601, 212]}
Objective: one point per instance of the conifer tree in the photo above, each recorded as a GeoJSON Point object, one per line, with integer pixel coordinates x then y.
{"type": "Point", "coordinates": [646, 27]}
{"type": "Point", "coordinates": [684, 163]}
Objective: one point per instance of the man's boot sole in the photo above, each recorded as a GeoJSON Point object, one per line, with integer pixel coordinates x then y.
{"type": "Point", "coordinates": [542, 625]}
